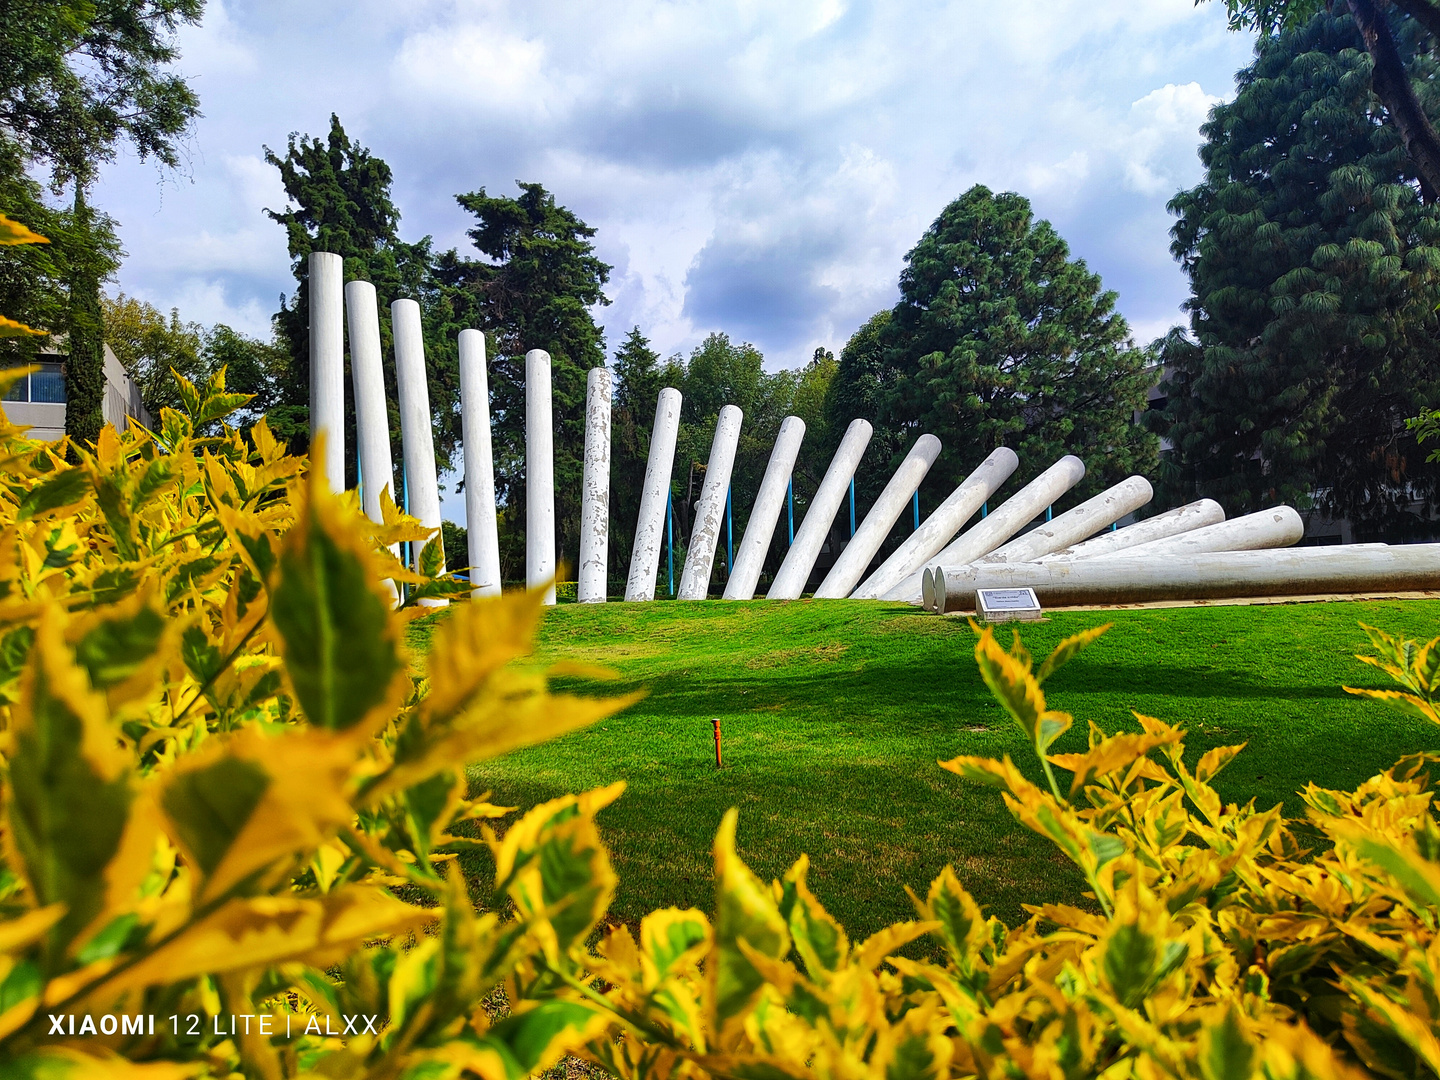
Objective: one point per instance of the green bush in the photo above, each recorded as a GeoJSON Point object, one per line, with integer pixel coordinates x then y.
{"type": "Point", "coordinates": [230, 795]}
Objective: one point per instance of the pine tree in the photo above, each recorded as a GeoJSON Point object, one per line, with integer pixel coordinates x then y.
{"type": "Point", "coordinates": [1000, 338]}
{"type": "Point", "coordinates": [341, 203]}
{"type": "Point", "coordinates": [1315, 274]}
{"type": "Point", "coordinates": [535, 291]}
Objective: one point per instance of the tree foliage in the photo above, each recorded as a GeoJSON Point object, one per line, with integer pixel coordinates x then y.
{"type": "Point", "coordinates": [999, 339]}
{"type": "Point", "coordinates": [1315, 274]}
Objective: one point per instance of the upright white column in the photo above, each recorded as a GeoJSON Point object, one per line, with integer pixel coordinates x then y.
{"type": "Point", "coordinates": [769, 501]}
{"type": "Point", "coordinates": [790, 579]}
{"type": "Point", "coordinates": [1004, 522]}
{"type": "Point", "coordinates": [1210, 575]}
{"type": "Point", "coordinates": [940, 527]}
{"type": "Point", "coordinates": [1077, 523]}
{"type": "Point", "coordinates": [480, 526]}
{"type": "Point", "coordinates": [416, 433]}
{"type": "Point", "coordinates": [710, 511]}
{"type": "Point", "coordinates": [327, 362]}
{"type": "Point", "coordinates": [888, 507]}
{"type": "Point", "coordinates": [1280, 526]}
{"type": "Point", "coordinates": [654, 498]}
{"type": "Point", "coordinates": [372, 421]}
{"type": "Point", "coordinates": [595, 490]}
{"type": "Point", "coordinates": [539, 475]}
{"type": "Point", "coordinates": [1175, 522]}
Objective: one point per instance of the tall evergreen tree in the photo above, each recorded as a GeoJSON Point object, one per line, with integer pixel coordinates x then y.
{"type": "Point", "coordinates": [1315, 274]}
{"type": "Point", "coordinates": [339, 195]}
{"type": "Point", "coordinates": [85, 364]}
{"type": "Point", "coordinates": [1000, 338]}
{"type": "Point", "coordinates": [535, 289]}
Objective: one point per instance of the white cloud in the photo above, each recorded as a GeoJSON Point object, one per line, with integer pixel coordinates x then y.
{"type": "Point", "coordinates": [1161, 148]}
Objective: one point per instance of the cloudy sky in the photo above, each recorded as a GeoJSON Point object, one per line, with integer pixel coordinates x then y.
{"type": "Point", "coordinates": [754, 167]}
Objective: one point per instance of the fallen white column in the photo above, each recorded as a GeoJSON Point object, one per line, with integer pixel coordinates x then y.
{"type": "Point", "coordinates": [416, 434]}
{"type": "Point", "coordinates": [539, 475]}
{"type": "Point", "coordinates": [654, 498]}
{"type": "Point", "coordinates": [1182, 519]}
{"type": "Point", "coordinates": [889, 505]}
{"type": "Point", "coordinates": [327, 362]}
{"type": "Point", "coordinates": [372, 420]}
{"type": "Point", "coordinates": [1280, 526]}
{"type": "Point", "coordinates": [482, 532]}
{"type": "Point", "coordinates": [940, 527]}
{"type": "Point", "coordinates": [710, 510]}
{"type": "Point", "coordinates": [765, 514]}
{"type": "Point", "coordinates": [591, 579]}
{"type": "Point", "coordinates": [1213, 575]}
{"type": "Point", "coordinates": [1003, 522]}
{"type": "Point", "coordinates": [795, 570]}
{"type": "Point", "coordinates": [1076, 523]}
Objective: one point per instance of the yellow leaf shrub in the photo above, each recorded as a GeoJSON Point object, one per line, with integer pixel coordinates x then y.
{"type": "Point", "coordinates": [232, 804]}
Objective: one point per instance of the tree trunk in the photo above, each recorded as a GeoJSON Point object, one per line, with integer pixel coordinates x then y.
{"type": "Point", "coordinates": [85, 365]}
{"type": "Point", "coordinates": [1392, 86]}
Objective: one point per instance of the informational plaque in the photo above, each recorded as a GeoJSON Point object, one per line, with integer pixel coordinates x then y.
{"type": "Point", "coordinates": [1007, 605]}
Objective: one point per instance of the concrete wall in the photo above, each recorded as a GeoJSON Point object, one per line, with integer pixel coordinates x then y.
{"type": "Point", "coordinates": [46, 420]}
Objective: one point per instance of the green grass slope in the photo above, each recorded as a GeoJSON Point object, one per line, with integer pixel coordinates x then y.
{"type": "Point", "coordinates": [835, 713]}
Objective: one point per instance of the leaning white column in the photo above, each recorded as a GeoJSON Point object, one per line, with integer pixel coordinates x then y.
{"type": "Point", "coordinates": [539, 475]}
{"type": "Point", "coordinates": [654, 498]}
{"type": "Point", "coordinates": [940, 527]}
{"type": "Point", "coordinates": [1182, 519]}
{"type": "Point", "coordinates": [481, 529]}
{"type": "Point", "coordinates": [1280, 526]}
{"type": "Point", "coordinates": [1003, 522]}
{"type": "Point", "coordinates": [888, 507]}
{"type": "Point", "coordinates": [1076, 523]}
{"type": "Point", "coordinates": [327, 362]}
{"type": "Point", "coordinates": [794, 571]}
{"type": "Point", "coordinates": [591, 579]}
{"type": "Point", "coordinates": [416, 432]}
{"type": "Point", "coordinates": [710, 510]}
{"type": "Point", "coordinates": [765, 514]}
{"type": "Point", "coordinates": [372, 420]}
{"type": "Point", "coordinates": [1211, 575]}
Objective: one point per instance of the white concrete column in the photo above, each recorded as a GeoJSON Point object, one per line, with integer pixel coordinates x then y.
{"type": "Point", "coordinates": [765, 514]}
{"type": "Point", "coordinates": [595, 490]}
{"type": "Point", "coordinates": [940, 527]}
{"type": "Point", "coordinates": [416, 431]}
{"type": "Point", "coordinates": [327, 362]}
{"type": "Point", "coordinates": [372, 421]}
{"type": "Point", "coordinates": [1182, 519]}
{"type": "Point", "coordinates": [539, 475]}
{"type": "Point", "coordinates": [481, 528]}
{"type": "Point", "coordinates": [794, 571]}
{"type": "Point", "coordinates": [650, 525]}
{"type": "Point", "coordinates": [1211, 575]}
{"type": "Point", "coordinates": [1077, 523]}
{"type": "Point", "coordinates": [710, 510]}
{"type": "Point", "coordinates": [1003, 522]}
{"type": "Point", "coordinates": [1280, 526]}
{"type": "Point", "coordinates": [888, 507]}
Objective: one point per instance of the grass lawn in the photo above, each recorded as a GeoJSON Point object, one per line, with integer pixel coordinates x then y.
{"type": "Point", "coordinates": [835, 712]}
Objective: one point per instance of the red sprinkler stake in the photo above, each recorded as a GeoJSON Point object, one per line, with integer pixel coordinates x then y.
{"type": "Point", "coordinates": [716, 723]}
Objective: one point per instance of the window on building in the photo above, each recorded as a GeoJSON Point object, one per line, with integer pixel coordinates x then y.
{"type": "Point", "coordinates": [47, 385]}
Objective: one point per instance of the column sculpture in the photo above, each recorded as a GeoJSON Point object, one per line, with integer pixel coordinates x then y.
{"type": "Point", "coordinates": [794, 571]}
{"type": "Point", "coordinates": [710, 511]}
{"type": "Point", "coordinates": [1003, 522]}
{"type": "Point", "coordinates": [1076, 523]}
{"type": "Point", "coordinates": [595, 491]}
{"type": "Point", "coordinates": [765, 514]}
{"type": "Point", "coordinates": [539, 475]}
{"type": "Point", "coordinates": [654, 497]}
{"type": "Point", "coordinates": [1280, 526]}
{"type": "Point", "coordinates": [940, 527]}
{"type": "Point", "coordinates": [372, 419]}
{"type": "Point", "coordinates": [1175, 522]}
{"type": "Point", "coordinates": [327, 363]}
{"type": "Point", "coordinates": [480, 525]}
{"type": "Point", "coordinates": [416, 434]}
{"type": "Point", "coordinates": [892, 501]}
